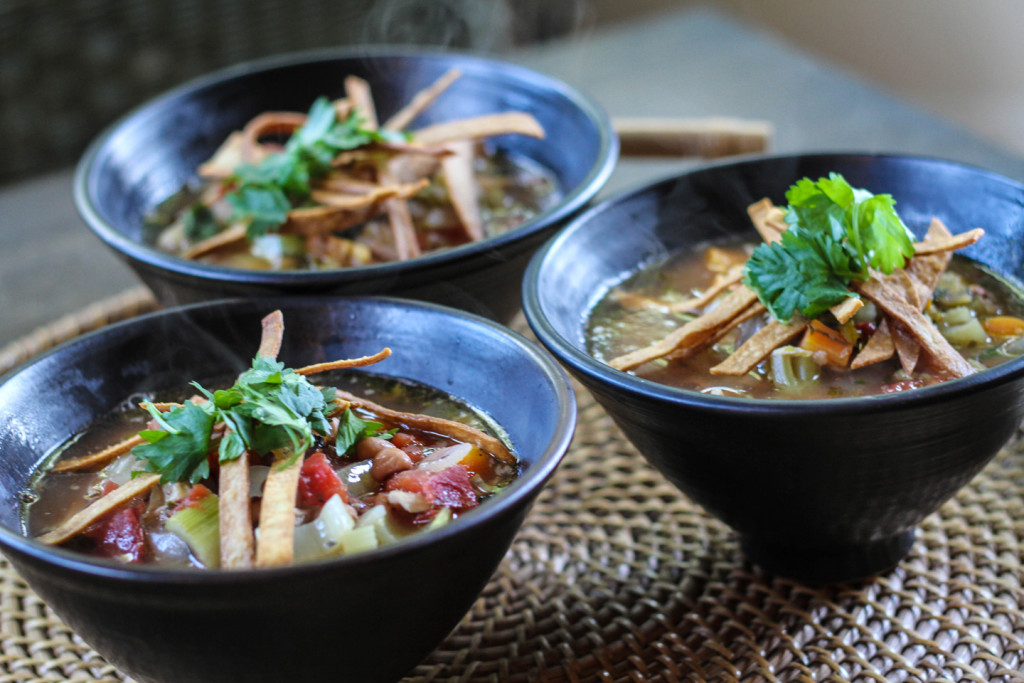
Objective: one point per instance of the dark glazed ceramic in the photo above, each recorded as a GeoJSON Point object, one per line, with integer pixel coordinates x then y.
{"type": "Point", "coordinates": [368, 617]}
{"type": "Point", "coordinates": [147, 156]}
{"type": "Point", "coordinates": [821, 491]}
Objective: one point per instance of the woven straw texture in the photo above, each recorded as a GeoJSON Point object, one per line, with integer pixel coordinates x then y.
{"type": "Point", "coordinates": [617, 577]}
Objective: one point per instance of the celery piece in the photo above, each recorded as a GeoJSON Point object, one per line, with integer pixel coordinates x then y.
{"type": "Point", "coordinates": [443, 516]}
{"type": "Point", "coordinates": [358, 540]}
{"type": "Point", "coordinates": [970, 332]}
{"type": "Point", "coordinates": [793, 368]}
{"type": "Point", "coordinates": [199, 526]}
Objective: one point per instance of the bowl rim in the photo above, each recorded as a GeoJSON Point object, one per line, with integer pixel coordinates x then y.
{"type": "Point", "coordinates": [527, 485]}
{"type": "Point", "coordinates": [582, 364]}
{"type": "Point", "coordinates": [83, 179]}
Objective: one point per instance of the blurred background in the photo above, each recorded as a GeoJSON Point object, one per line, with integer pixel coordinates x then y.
{"type": "Point", "coordinates": [67, 69]}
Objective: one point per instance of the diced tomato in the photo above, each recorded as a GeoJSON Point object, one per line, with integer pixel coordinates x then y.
{"type": "Point", "coordinates": [318, 482]}
{"type": "Point", "coordinates": [451, 488]}
{"type": "Point", "coordinates": [414, 481]}
{"type": "Point", "coordinates": [192, 499]}
{"type": "Point", "coordinates": [119, 535]}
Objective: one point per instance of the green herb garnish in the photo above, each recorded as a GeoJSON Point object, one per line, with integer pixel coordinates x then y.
{"type": "Point", "coordinates": [836, 234]}
{"type": "Point", "coordinates": [269, 407]}
{"type": "Point", "coordinates": [264, 193]}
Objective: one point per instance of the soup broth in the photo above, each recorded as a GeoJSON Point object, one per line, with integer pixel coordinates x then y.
{"type": "Point", "coordinates": [372, 513]}
{"type": "Point", "coordinates": [637, 312]}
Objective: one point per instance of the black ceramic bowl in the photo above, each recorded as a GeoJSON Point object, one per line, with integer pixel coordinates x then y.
{"type": "Point", "coordinates": [367, 617]}
{"type": "Point", "coordinates": [818, 490]}
{"type": "Point", "coordinates": [147, 156]}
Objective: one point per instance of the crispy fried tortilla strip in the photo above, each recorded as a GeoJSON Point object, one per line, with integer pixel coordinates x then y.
{"type": "Point", "coordinates": [769, 220]}
{"type": "Point", "coordinates": [751, 311]}
{"type": "Point", "coordinates": [225, 160]}
{"type": "Point", "coordinates": [462, 188]}
{"type": "Point", "coordinates": [907, 348]}
{"type": "Point", "coordinates": [236, 537]}
{"type": "Point", "coordinates": [275, 547]}
{"type": "Point", "coordinates": [359, 95]}
{"type": "Point", "coordinates": [338, 182]}
{"type": "Point", "coordinates": [638, 301]}
{"type": "Point", "coordinates": [84, 518]}
{"type": "Point", "coordinates": [354, 202]}
{"type": "Point", "coordinates": [879, 347]}
{"type": "Point", "coordinates": [847, 309]}
{"type": "Point", "coordinates": [458, 430]}
{"type": "Point", "coordinates": [272, 333]}
{"type": "Point", "coordinates": [345, 363]}
{"type": "Point", "coordinates": [421, 101]}
{"type": "Point", "coordinates": [322, 219]}
{"type": "Point", "coordinates": [99, 458]}
{"type": "Point", "coordinates": [403, 230]}
{"type": "Point", "coordinates": [225, 238]}
{"type": "Point", "coordinates": [922, 329]}
{"type": "Point", "coordinates": [758, 347]}
{"type": "Point", "coordinates": [693, 332]}
{"type": "Point", "coordinates": [932, 245]}
{"type": "Point", "coordinates": [235, 516]}
{"type": "Point", "coordinates": [268, 123]}
{"type": "Point", "coordinates": [478, 127]}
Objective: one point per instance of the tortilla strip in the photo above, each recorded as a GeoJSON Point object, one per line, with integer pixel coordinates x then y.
{"type": "Point", "coordinates": [272, 333]}
{"type": "Point", "coordinates": [359, 95]}
{"type": "Point", "coordinates": [344, 363]}
{"type": "Point", "coordinates": [750, 312]}
{"type": "Point", "coordinates": [637, 301]}
{"type": "Point", "coordinates": [907, 348]}
{"type": "Point", "coordinates": [879, 347]}
{"type": "Point", "coordinates": [421, 101]}
{"type": "Point", "coordinates": [225, 160]}
{"type": "Point", "coordinates": [403, 230]}
{"type": "Point", "coordinates": [462, 189]}
{"type": "Point", "coordinates": [757, 348]}
{"type": "Point", "coordinates": [847, 309]}
{"type": "Point", "coordinates": [922, 329]}
{"type": "Point", "coordinates": [924, 270]}
{"type": "Point", "coordinates": [268, 123]}
{"type": "Point", "coordinates": [693, 332]}
{"type": "Point", "coordinates": [931, 245]}
{"type": "Point", "coordinates": [99, 458]}
{"type": "Point", "coordinates": [236, 233]}
{"type": "Point", "coordinates": [477, 127]}
{"type": "Point", "coordinates": [458, 430]}
{"type": "Point", "coordinates": [342, 183]}
{"type": "Point", "coordinates": [354, 202]}
{"type": "Point", "coordinates": [275, 547]}
{"type": "Point", "coordinates": [236, 537]}
{"type": "Point", "coordinates": [84, 518]}
{"type": "Point", "coordinates": [769, 220]}
{"type": "Point", "coordinates": [318, 220]}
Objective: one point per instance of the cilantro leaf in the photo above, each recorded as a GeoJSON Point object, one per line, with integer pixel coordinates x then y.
{"type": "Point", "coordinates": [836, 234]}
{"type": "Point", "coordinates": [352, 428]}
{"type": "Point", "coordinates": [264, 193]}
{"type": "Point", "coordinates": [268, 407]}
{"type": "Point", "coordinates": [179, 455]}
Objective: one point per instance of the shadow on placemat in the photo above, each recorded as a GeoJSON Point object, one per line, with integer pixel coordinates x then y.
{"type": "Point", "coordinates": [615, 576]}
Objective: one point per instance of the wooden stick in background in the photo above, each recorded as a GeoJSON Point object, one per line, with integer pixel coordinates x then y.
{"type": "Point", "coordinates": [691, 137]}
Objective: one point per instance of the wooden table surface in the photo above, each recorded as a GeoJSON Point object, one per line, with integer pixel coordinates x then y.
{"type": "Point", "coordinates": [688, 63]}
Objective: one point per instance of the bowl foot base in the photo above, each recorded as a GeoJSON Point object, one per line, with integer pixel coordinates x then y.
{"type": "Point", "coordinates": [829, 564]}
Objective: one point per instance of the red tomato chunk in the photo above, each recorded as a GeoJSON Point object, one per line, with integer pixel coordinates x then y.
{"type": "Point", "coordinates": [318, 482]}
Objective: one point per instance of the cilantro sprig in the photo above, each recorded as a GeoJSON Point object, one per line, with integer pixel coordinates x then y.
{"type": "Point", "coordinates": [836, 234]}
{"type": "Point", "coordinates": [264, 193]}
{"type": "Point", "coordinates": [269, 407]}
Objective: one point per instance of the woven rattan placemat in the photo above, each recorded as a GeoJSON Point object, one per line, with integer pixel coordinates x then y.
{"type": "Point", "coordinates": [615, 576]}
